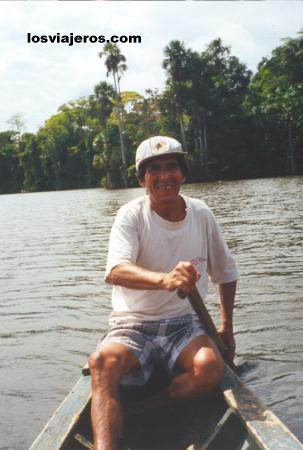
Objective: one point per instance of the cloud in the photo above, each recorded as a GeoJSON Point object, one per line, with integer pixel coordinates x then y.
{"type": "Point", "coordinates": [38, 78]}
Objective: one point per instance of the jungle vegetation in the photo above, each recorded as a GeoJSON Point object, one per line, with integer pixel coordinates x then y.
{"type": "Point", "coordinates": [233, 123]}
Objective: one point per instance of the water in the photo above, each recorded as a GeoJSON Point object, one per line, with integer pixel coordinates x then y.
{"type": "Point", "coordinates": [54, 303]}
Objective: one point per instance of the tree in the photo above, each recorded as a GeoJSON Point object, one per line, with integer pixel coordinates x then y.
{"type": "Point", "coordinates": [30, 162]}
{"type": "Point", "coordinates": [17, 122]}
{"type": "Point", "coordinates": [276, 98]}
{"type": "Point", "coordinates": [102, 102]}
{"type": "Point", "coordinates": [11, 174]}
{"type": "Point", "coordinates": [198, 107]}
{"type": "Point", "coordinates": [66, 147]}
{"type": "Point", "coordinates": [115, 64]}
{"type": "Point", "coordinates": [219, 83]}
{"type": "Point", "coordinates": [175, 63]}
{"type": "Point", "coordinates": [208, 89]}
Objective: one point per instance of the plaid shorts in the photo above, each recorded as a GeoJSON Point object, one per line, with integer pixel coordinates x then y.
{"type": "Point", "coordinates": [154, 342]}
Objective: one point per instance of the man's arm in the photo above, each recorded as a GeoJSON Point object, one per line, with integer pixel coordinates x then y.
{"type": "Point", "coordinates": [183, 277]}
{"type": "Point", "coordinates": [227, 297]}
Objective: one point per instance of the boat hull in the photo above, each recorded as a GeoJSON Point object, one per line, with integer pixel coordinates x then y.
{"type": "Point", "coordinates": [232, 418]}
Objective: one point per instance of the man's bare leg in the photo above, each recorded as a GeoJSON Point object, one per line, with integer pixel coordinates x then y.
{"type": "Point", "coordinates": [107, 366]}
{"type": "Point", "coordinates": [203, 369]}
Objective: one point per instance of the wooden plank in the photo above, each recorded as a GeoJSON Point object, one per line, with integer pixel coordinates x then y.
{"type": "Point", "coordinates": [218, 428]}
{"type": "Point", "coordinates": [229, 434]}
{"type": "Point", "coordinates": [84, 441]}
{"type": "Point", "coordinates": [250, 445]}
{"type": "Point", "coordinates": [203, 315]}
{"type": "Point", "coordinates": [58, 428]}
{"type": "Point", "coordinates": [263, 425]}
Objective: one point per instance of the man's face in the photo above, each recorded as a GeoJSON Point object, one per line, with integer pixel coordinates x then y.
{"type": "Point", "coordinates": [163, 179]}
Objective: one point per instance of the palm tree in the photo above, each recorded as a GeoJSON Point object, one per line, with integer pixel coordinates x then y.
{"type": "Point", "coordinates": [102, 101]}
{"type": "Point", "coordinates": [115, 64]}
{"type": "Point", "coordinates": [175, 64]}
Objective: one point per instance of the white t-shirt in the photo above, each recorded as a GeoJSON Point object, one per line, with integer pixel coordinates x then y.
{"type": "Point", "coordinates": [139, 235]}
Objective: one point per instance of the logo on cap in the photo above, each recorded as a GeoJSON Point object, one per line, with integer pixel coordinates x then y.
{"type": "Point", "coordinates": [159, 146]}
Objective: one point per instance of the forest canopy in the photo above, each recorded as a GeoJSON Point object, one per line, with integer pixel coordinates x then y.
{"type": "Point", "coordinates": [233, 123]}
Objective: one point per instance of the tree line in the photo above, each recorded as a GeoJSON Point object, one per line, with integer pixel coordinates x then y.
{"type": "Point", "coordinates": [233, 123]}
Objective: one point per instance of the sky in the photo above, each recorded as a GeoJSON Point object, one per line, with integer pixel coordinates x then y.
{"type": "Point", "coordinates": [37, 78]}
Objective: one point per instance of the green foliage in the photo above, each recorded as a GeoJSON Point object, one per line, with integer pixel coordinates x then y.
{"type": "Point", "coordinates": [205, 92]}
{"type": "Point", "coordinates": [66, 150]}
{"type": "Point", "coordinates": [233, 124]}
{"type": "Point", "coordinates": [11, 176]}
{"type": "Point", "coordinates": [30, 162]}
{"type": "Point", "coordinates": [275, 101]}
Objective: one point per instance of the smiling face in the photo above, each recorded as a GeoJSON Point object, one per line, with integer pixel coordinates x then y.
{"type": "Point", "coordinates": [163, 179]}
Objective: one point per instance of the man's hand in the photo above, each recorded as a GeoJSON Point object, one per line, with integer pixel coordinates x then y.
{"type": "Point", "coordinates": [227, 337]}
{"type": "Point", "coordinates": [182, 278]}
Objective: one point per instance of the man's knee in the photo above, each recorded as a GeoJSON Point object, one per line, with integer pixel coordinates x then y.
{"type": "Point", "coordinates": [95, 360]}
{"type": "Point", "coordinates": [208, 371]}
{"type": "Point", "coordinates": [106, 363]}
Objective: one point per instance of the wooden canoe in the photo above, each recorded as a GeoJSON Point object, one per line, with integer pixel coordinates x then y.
{"type": "Point", "coordinates": [231, 419]}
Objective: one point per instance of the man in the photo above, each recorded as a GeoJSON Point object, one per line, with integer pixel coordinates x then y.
{"type": "Point", "coordinates": [161, 246]}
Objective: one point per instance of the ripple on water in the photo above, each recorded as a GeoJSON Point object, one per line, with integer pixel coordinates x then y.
{"type": "Point", "coordinates": [55, 306]}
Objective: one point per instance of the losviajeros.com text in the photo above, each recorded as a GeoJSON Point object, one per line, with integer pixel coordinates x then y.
{"type": "Point", "coordinates": [72, 39]}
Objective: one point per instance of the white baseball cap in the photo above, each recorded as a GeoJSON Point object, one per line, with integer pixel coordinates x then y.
{"type": "Point", "coordinates": [157, 146]}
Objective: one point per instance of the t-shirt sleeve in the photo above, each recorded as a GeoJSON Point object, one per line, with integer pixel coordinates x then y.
{"type": "Point", "coordinates": [221, 265]}
{"type": "Point", "coordinates": [123, 241]}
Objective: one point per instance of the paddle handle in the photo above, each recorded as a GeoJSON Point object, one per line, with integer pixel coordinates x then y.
{"type": "Point", "coordinates": [198, 306]}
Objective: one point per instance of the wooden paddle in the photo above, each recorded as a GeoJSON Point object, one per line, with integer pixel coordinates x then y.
{"type": "Point", "coordinates": [198, 306]}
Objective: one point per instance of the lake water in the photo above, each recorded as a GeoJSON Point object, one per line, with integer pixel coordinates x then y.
{"type": "Point", "coordinates": [54, 303]}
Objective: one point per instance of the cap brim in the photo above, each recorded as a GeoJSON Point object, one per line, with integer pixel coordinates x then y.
{"type": "Point", "coordinates": [160, 156]}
